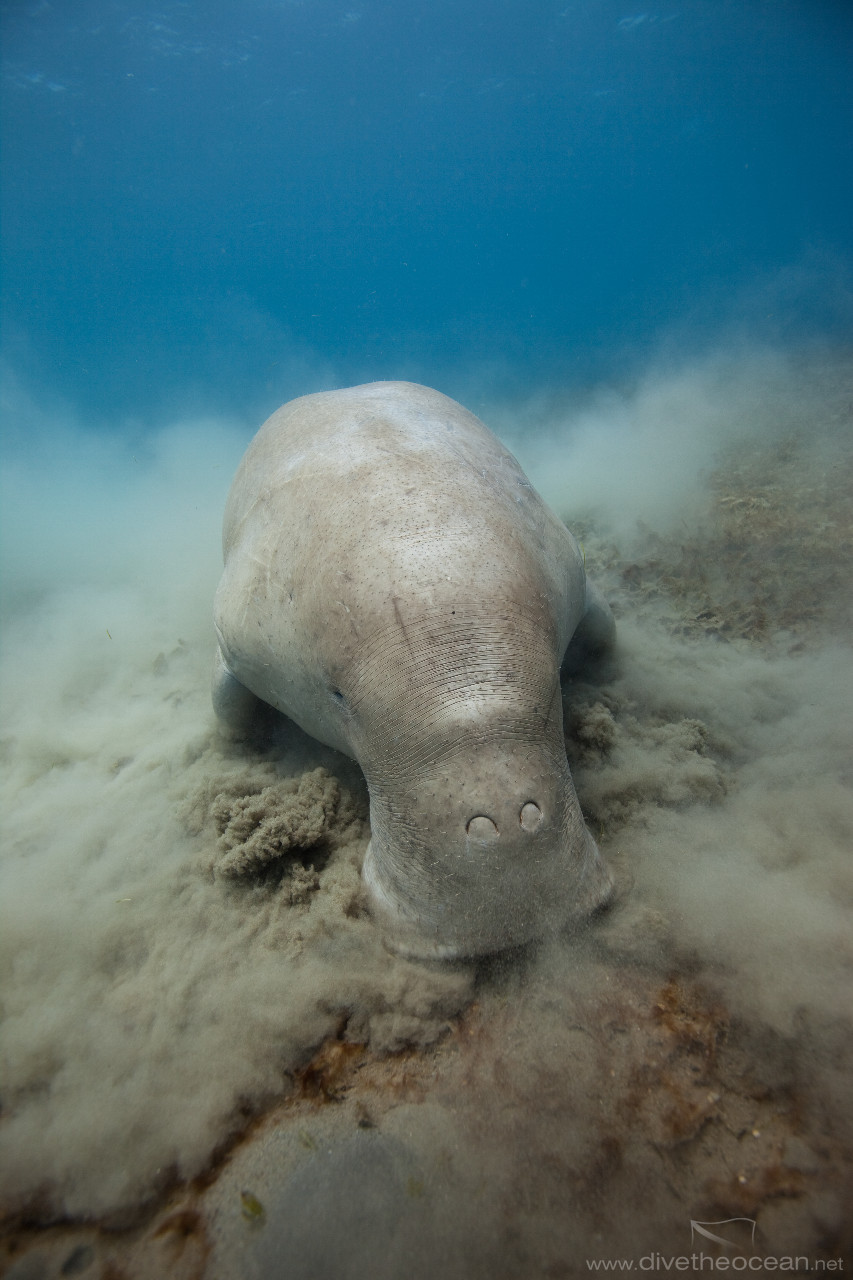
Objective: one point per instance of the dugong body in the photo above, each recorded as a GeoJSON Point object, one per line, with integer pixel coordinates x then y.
{"type": "Point", "coordinates": [394, 584]}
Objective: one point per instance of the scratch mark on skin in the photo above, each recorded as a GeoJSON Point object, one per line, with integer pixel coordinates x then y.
{"type": "Point", "coordinates": [395, 600]}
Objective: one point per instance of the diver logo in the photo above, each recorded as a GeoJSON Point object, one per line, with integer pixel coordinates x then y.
{"type": "Point", "coordinates": [734, 1237]}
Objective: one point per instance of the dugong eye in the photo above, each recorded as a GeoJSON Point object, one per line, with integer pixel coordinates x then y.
{"type": "Point", "coordinates": [339, 698]}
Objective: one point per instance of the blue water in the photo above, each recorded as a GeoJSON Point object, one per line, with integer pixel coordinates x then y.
{"type": "Point", "coordinates": [231, 203]}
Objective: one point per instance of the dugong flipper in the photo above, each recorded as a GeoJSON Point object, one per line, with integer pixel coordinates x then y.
{"type": "Point", "coordinates": [395, 585]}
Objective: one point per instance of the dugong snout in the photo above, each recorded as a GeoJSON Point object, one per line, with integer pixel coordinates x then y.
{"type": "Point", "coordinates": [488, 851]}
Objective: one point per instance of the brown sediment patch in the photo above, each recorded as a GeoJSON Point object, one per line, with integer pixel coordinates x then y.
{"type": "Point", "coordinates": [645, 1108]}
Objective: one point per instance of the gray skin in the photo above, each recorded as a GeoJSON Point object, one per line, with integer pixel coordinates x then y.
{"type": "Point", "coordinates": [394, 584]}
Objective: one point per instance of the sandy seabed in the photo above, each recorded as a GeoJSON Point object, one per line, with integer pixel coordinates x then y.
{"type": "Point", "coordinates": [211, 1067]}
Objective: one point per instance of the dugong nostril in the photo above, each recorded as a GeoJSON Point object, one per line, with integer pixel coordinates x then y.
{"type": "Point", "coordinates": [530, 816]}
{"type": "Point", "coordinates": [482, 828]}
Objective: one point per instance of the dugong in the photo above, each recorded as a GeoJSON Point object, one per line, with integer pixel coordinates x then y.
{"type": "Point", "coordinates": [394, 584]}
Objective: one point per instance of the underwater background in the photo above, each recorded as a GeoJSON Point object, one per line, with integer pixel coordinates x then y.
{"type": "Point", "coordinates": [198, 197]}
{"type": "Point", "coordinates": [624, 239]}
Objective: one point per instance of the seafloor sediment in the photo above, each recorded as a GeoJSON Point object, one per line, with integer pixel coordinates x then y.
{"type": "Point", "coordinates": [592, 1097]}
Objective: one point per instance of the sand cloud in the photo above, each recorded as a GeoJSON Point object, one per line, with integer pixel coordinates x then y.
{"type": "Point", "coordinates": [152, 1000]}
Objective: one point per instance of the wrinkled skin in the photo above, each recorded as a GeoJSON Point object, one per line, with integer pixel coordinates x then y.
{"type": "Point", "coordinates": [394, 584]}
